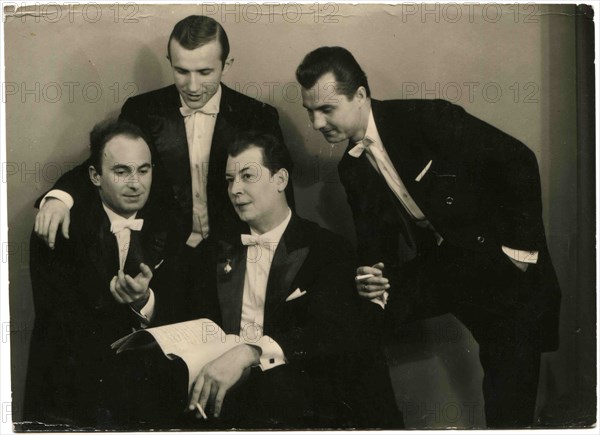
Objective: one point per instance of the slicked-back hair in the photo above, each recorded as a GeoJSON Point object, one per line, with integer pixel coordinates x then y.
{"type": "Point", "coordinates": [337, 60]}
{"type": "Point", "coordinates": [197, 30]}
{"type": "Point", "coordinates": [106, 130]}
{"type": "Point", "coordinates": [275, 155]}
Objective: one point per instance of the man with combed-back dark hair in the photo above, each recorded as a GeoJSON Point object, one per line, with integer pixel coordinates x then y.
{"type": "Point", "coordinates": [285, 286]}
{"type": "Point", "coordinates": [189, 125]}
{"type": "Point", "coordinates": [111, 276]}
{"type": "Point", "coordinates": [448, 216]}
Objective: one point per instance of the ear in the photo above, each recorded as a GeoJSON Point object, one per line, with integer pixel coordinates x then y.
{"type": "Point", "coordinates": [282, 178]}
{"type": "Point", "coordinates": [227, 65]}
{"type": "Point", "coordinates": [361, 94]}
{"type": "Point", "coordinates": [94, 176]}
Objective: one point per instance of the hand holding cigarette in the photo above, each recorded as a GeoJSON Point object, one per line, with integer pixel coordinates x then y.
{"type": "Point", "coordinates": [370, 282]}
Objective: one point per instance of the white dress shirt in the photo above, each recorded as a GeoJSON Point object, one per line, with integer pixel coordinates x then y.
{"type": "Point", "coordinates": [199, 129]}
{"type": "Point", "coordinates": [380, 160]}
{"type": "Point", "coordinates": [258, 264]}
{"type": "Point", "coordinates": [123, 238]}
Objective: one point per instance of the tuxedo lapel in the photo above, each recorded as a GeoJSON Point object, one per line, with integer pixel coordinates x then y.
{"type": "Point", "coordinates": [231, 271]}
{"type": "Point", "coordinates": [151, 240]}
{"type": "Point", "coordinates": [101, 248]}
{"type": "Point", "coordinates": [403, 144]}
{"type": "Point", "coordinates": [289, 257]}
{"type": "Point", "coordinates": [170, 142]}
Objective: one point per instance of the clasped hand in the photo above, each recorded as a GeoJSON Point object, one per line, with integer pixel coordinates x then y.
{"type": "Point", "coordinates": [372, 287]}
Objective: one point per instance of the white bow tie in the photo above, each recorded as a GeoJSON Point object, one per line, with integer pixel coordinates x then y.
{"type": "Point", "coordinates": [360, 147]}
{"type": "Point", "coordinates": [252, 240]}
{"type": "Point", "coordinates": [132, 224]}
{"type": "Point", "coordinates": [186, 111]}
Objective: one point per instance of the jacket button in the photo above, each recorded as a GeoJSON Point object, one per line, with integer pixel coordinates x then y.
{"type": "Point", "coordinates": [449, 200]}
{"type": "Point", "coordinates": [480, 239]}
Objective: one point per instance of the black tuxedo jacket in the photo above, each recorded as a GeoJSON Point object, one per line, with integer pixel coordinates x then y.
{"type": "Point", "coordinates": [482, 191]}
{"type": "Point", "coordinates": [328, 335]}
{"type": "Point", "coordinates": [74, 377]}
{"type": "Point", "coordinates": [157, 114]}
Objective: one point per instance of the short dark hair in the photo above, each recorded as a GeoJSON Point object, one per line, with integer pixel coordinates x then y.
{"type": "Point", "coordinates": [104, 131]}
{"type": "Point", "coordinates": [196, 30]}
{"type": "Point", "coordinates": [275, 155]}
{"type": "Point", "coordinates": [337, 60]}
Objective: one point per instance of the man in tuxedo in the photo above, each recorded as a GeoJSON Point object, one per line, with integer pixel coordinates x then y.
{"type": "Point", "coordinates": [447, 211]}
{"type": "Point", "coordinates": [189, 125]}
{"type": "Point", "coordinates": [287, 290]}
{"type": "Point", "coordinates": [97, 286]}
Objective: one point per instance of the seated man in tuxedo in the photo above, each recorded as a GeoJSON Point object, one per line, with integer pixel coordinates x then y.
{"type": "Point", "coordinates": [96, 286]}
{"type": "Point", "coordinates": [287, 290]}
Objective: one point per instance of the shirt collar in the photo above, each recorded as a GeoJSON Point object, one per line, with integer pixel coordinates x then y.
{"type": "Point", "coordinates": [212, 105]}
{"type": "Point", "coordinates": [372, 132]}
{"type": "Point", "coordinates": [114, 217]}
{"type": "Point", "coordinates": [274, 236]}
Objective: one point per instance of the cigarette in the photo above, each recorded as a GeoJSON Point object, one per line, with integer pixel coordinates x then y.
{"type": "Point", "coordinates": [363, 277]}
{"type": "Point", "coordinates": [201, 411]}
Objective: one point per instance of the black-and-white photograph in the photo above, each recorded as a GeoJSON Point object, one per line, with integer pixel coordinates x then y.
{"type": "Point", "coordinates": [298, 216]}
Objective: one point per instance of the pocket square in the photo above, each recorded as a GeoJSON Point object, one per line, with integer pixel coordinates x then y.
{"type": "Point", "coordinates": [424, 171]}
{"type": "Point", "coordinates": [295, 295]}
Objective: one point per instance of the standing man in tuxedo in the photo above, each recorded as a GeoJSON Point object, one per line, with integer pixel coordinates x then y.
{"type": "Point", "coordinates": [448, 216]}
{"type": "Point", "coordinates": [189, 125]}
{"type": "Point", "coordinates": [287, 290]}
{"type": "Point", "coordinates": [97, 286]}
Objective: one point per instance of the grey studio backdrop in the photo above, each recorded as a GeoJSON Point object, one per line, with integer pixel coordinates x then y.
{"type": "Point", "coordinates": [514, 66]}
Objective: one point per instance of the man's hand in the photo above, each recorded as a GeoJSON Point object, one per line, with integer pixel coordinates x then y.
{"type": "Point", "coordinates": [51, 215]}
{"type": "Point", "coordinates": [219, 375]}
{"type": "Point", "coordinates": [374, 286]}
{"type": "Point", "coordinates": [134, 291]}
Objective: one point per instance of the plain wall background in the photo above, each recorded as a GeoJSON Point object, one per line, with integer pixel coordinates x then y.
{"type": "Point", "coordinates": [58, 60]}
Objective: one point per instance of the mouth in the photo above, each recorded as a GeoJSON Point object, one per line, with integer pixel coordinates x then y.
{"type": "Point", "coordinates": [241, 204]}
{"type": "Point", "coordinates": [193, 97]}
{"type": "Point", "coordinates": [132, 197]}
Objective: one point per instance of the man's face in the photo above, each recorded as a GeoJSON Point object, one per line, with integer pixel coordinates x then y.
{"type": "Point", "coordinates": [253, 191]}
{"type": "Point", "coordinates": [126, 178]}
{"type": "Point", "coordinates": [333, 114]}
{"type": "Point", "coordinates": [197, 73]}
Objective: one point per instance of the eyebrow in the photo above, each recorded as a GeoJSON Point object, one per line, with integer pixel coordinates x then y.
{"type": "Point", "coordinates": [323, 106]}
{"type": "Point", "coordinates": [120, 166]}
{"type": "Point", "coordinates": [128, 167]}
{"type": "Point", "coordinates": [179, 68]}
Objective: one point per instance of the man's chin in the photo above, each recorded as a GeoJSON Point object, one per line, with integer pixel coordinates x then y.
{"type": "Point", "coordinates": [334, 139]}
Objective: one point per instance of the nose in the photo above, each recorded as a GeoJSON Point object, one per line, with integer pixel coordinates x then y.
{"type": "Point", "coordinates": [236, 186]}
{"type": "Point", "coordinates": [318, 120]}
{"type": "Point", "coordinates": [133, 181]}
{"type": "Point", "coordinates": [194, 83]}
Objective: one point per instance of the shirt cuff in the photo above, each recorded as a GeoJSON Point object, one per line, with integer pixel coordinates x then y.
{"type": "Point", "coordinates": [147, 311]}
{"type": "Point", "coordinates": [381, 300]}
{"type": "Point", "coordinates": [272, 354]}
{"type": "Point", "coordinates": [60, 195]}
{"type": "Point", "coordinates": [530, 257]}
